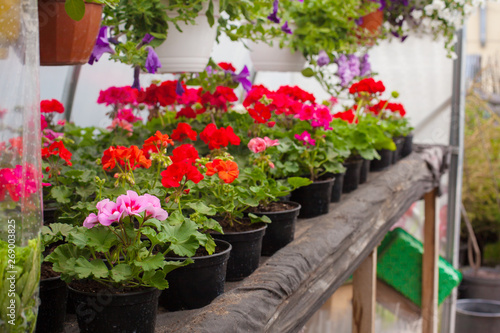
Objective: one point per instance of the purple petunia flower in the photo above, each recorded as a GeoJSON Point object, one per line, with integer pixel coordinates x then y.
{"type": "Point", "coordinates": [286, 29]}
{"type": "Point", "coordinates": [365, 67]}
{"type": "Point", "coordinates": [179, 89]}
{"type": "Point", "coordinates": [152, 61]}
{"type": "Point", "coordinates": [354, 65]}
{"type": "Point", "coordinates": [359, 21]}
{"type": "Point", "coordinates": [137, 84]}
{"type": "Point", "coordinates": [243, 78]}
{"type": "Point", "coordinates": [344, 71]}
{"type": "Point", "coordinates": [323, 58]}
{"type": "Point", "coordinates": [101, 45]}
{"type": "Point", "coordinates": [147, 39]}
{"type": "Point", "coordinates": [274, 15]}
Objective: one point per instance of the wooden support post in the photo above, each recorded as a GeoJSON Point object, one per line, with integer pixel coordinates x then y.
{"type": "Point", "coordinates": [430, 266]}
{"type": "Point", "coordinates": [364, 295]}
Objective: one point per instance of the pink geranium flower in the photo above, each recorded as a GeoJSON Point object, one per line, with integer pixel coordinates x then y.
{"type": "Point", "coordinates": [109, 212]}
{"type": "Point", "coordinates": [127, 115]}
{"type": "Point", "coordinates": [270, 142]}
{"type": "Point", "coordinates": [305, 138]}
{"type": "Point", "coordinates": [91, 221]}
{"type": "Point", "coordinates": [257, 145]}
{"type": "Point", "coordinates": [131, 203]}
{"type": "Point", "coordinates": [153, 208]}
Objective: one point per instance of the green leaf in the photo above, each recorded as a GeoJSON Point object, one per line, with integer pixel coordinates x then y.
{"type": "Point", "coordinates": [75, 9]}
{"type": "Point", "coordinates": [297, 182]}
{"type": "Point", "coordinates": [157, 280]}
{"type": "Point", "coordinates": [210, 13]}
{"type": "Point", "coordinates": [101, 239]}
{"type": "Point", "coordinates": [96, 268]}
{"type": "Point", "coordinates": [201, 208]}
{"type": "Point", "coordinates": [61, 194]}
{"type": "Point", "coordinates": [256, 219]}
{"type": "Point", "coordinates": [121, 272]}
{"type": "Point", "coordinates": [151, 263]}
{"type": "Point", "coordinates": [308, 72]}
{"type": "Point", "coordinates": [182, 238]}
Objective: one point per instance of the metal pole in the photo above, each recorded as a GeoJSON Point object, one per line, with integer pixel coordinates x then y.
{"type": "Point", "coordinates": [455, 175]}
{"type": "Point", "coordinates": [70, 89]}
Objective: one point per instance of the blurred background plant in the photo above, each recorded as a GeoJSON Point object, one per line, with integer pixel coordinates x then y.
{"type": "Point", "coordinates": [481, 179]}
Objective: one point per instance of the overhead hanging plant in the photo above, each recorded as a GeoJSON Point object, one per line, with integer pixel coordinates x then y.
{"type": "Point", "coordinates": [439, 18]}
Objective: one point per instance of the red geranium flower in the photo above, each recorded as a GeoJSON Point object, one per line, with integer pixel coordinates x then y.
{"type": "Point", "coordinates": [173, 175]}
{"type": "Point", "coordinates": [227, 66]}
{"type": "Point", "coordinates": [185, 153]}
{"type": "Point", "coordinates": [162, 95]}
{"type": "Point", "coordinates": [118, 95]}
{"type": "Point", "coordinates": [347, 115]}
{"type": "Point", "coordinates": [217, 138]}
{"type": "Point", "coordinates": [184, 131]}
{"type": "Point", "coordinates": [226, 170]}
{"type": "Point", "coordinates": [156, 142]}
{"type": "Point", "coordinates": [368, 85]}
{"type": "Point", "coordinates": [129, 158]}
{"type": "Point", "coordinates": [57, 148]}
{"type": "Point", "coordinates": [53, 105]}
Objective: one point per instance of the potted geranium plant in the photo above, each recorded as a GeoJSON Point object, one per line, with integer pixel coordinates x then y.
{"type": "Point", "coordinates": [114, 253]}
{"type": "Point", "coordinates": [268, 191]}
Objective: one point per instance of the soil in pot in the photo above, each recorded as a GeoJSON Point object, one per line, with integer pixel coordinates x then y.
{"type": "Point", "coordinates": [197, 284]}
{"type": "Point", "coordinates": [384, 162]}
{"type": "Point", "coordinates": [246, 242]}
{"type": "Point", "coordinates": [352, 174]}
{"type": "Point", "coordinates": [337, 187]}
{"type": "Point", "coordinates": [281, 230]}
{"type": "Point", "coordinates": [53, 294]}
{"type": "Point", "coordinates": [314, 198]}
{"type": "Point", "coordinates": [100, 309]}
{"type": "Point", "coordinates": [407, 145]}
{"type": "Point", "coordinates": [365, 169]}
{"type": "Point", "coordinates": [399, 141]}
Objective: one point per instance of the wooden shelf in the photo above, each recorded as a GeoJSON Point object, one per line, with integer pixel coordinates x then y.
{"type": "Point", "coordinates": [289, 287]}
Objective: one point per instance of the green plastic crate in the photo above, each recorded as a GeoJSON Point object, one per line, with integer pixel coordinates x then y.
{"type": "Point", "coordinates": [399, 265]}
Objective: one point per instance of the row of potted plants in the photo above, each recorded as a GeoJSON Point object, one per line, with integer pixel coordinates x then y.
{"type": "Point", "coordinates": [155, 203]}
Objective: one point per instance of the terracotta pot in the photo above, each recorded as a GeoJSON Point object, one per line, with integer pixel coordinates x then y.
{"type": "Point", "coordinates": [64, 41]}
{"type": "Point", "coordinates": [373, 21]}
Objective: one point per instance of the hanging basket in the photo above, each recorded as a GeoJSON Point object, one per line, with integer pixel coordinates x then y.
{"type": "Point", "coordinates": [64, 41]}
{"type": "Point", "coordinates": [189, 50]}
{"type": "Point", "coordinates": [274, 59]}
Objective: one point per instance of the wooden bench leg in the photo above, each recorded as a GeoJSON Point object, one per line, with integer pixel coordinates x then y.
{"type": "Point", "coordinates": [364, 295]}
{"type": "Point", "coordinates": [430, 266]}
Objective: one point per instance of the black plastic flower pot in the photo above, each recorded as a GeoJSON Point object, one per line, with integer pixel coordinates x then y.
{"type": "Point", "coordinates": [109, 312]}
{"type": "Point", "coordinates": [245, 253]}
{"type": "Point", "coordinates": [407, 146]}
{"type": "Point", "coordinates": [396, 156]}
{"type": "Point", "coordinates": [384, 162]}
{"type": "Point", "coordinates": [281, 230]}
{"type": "Point", "coordinates": [351, 177]}
{"type": "Point", "coordinates": [197, 284]}
{"type": "Point", "coordinates": [52, 309]}
{"type": "Point", "coordinates": [314, 198]}
{"type": "Point", "coordinates": [365, 169]}
{"type": "Point", "coordinates": [337, 187]}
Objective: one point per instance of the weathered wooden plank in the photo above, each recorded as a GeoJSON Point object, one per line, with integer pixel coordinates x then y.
{"type": "Point", "coordinates": [364, 284]}
{"type": "Point", "coordinates": [291, 285]}
{"type": "Point", "coordinates": [430, 266]}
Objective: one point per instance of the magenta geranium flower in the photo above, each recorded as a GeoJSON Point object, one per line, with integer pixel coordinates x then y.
{"type": "Point", "coordinates": [305, 138]}
{"type": "Point", "coordinates": [131, 203]}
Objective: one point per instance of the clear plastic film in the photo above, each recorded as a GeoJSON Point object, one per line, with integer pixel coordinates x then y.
{"type": "Point", "coordinates": [20, 173]}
